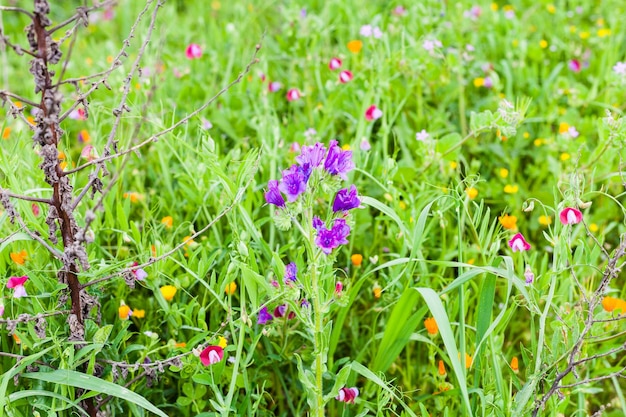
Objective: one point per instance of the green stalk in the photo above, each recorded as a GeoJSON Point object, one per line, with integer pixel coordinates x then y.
{"type": "Point", "coordinates": [546, 310]}
{"type": "Point", "coordinates": [319, 354]}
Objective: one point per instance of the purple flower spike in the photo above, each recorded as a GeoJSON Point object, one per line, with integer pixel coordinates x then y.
{"type": "Point", "coordinates": [327, 240]}
{"type": "Point", "coordinates": [273, 196]}
{"type": "Point", "coordinates": [291, 271]}
{"type": "Point", "coordinates": [293, 183]}
{"type": "Point", "coordinates": [313, 155]}
{"type": "Point", "coordinates": [338, 161]}
{"type": "Point", "coordinates": [346, 199]}
{"type": "Point", "coordinates": [264, 316]}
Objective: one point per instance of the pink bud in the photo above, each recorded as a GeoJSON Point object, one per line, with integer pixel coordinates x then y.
{"type": "Point", "coordinates": [293, 94]}
{"type": "Point", "coordinates": [334, 64]}
{"type": "Point", "coordinates": [373, 113]}
{"type": "Point", "coordinates": [345, 76]}
{"type": "Point", "coordinates": [193, 51]}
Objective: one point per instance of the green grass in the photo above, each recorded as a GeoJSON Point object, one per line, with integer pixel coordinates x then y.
{"type": "Point", "coordinates": [434, 250]}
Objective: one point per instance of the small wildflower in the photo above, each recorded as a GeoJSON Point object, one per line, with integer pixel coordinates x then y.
{"type": "Point", "coordinates": [139, 273]}
{"type": "Point", "coordinates": [84, 137]}
{"type": "Point", "coordinates": [292, 184]}
{"type": "Point", "coordinates": [1, 310]}
{"type": "Point", "coordinates": [508, 222]}
{"type": "Point", "coordinates": [345, 76]}
{"type": "Point", "coordinates": [357, 259]}
{"type": "Point", "coordinates": [365, 145]}
{"type": "Point", "coordinates": [193, 51]}
{"type": "Point", "coordinates": [550, 8]}
{"type": "Point", "coordinates": [211, 355]}
{"type": "Point", "coordinates": [610, 304]}
{"type": "Point", "coordinates": [377, 290]}
{"type": "Point", "coordinates": [441, 368]}
{"type": "Point", "coordinates": [222, 342]}
{"type": "Point", "coordinates": [511, 189]}
{"type": "Point", "coordinates": [6, 133]}
{"type": "Point", "coordinates": [430, 45]}
{"type": "Point", "coordinates": [620, 68]}
{"type": "Point", "coordinates": [231, 287]}
{"type": "Point", "coordinates": [453, 164]}
{"type": "Point", "coordinates": [529, 276]}
{"type": "Point", "coordinates": [545, 220]}
{"type": "Point", "coordinates": [372, 113]}
{"type": "Point", "coordinates": [347, 395]}
{"type": "Point", "coordinates": [140, 314]}
{"type": "Point", "coordinates": [346, 199]}
{"type": "Point", "coordinates": [515, 364]}
{"type": "Point", "coordinates": [574, 65]}
{"type": "Point", "coordinates": [273, 195]}
{"type": "Point", "coordinates": [19, 257]}
{"type": "Point", "coordinates": [77, 114]}
{"type": "Point", "coordinates": [124, 312]}
{"type": "Point", "coordinates": [89, 153]}
{"type": "Point", "coordinates": [329, 239]}
{"type": "Point", "coordinates": [264, 316]}
{"type": "Point", "coordinates": [518, 243]}
{"type": "Point", "coordinates": [570, 215]}
{"type": "Point", "coordinates": [355, 46]}
{"type": "Point", "coordinates": [274, 86]}
{"type": "Point", "coordinates": [366, 31]}
{"type": "Point", "coordinates": [168, 292]}
{"type": "Point", "coordinates": [563, 128]}
{"type": "Point", "coordinates": [291, 273]}
{"type": "Point", "coordinates": [281, 311]}
{"type": "Point", "coordinates": [133, 196]}
{"type": "Point", "coordinates": [593, 227]}
{"type": "Point", "coordinates": [334, 64]}
{"type": "Point", "coordinates": [338, 289]}
{"type": "Point", "coordinates": [503, 172]}
{"type": "Point", "coordinates": [422, 135]}
{"type": "Point", "coordinates": [293, 94]}
{"type": "Point", "coordinates": [180, 345]}
{"type": "Point", "coordinates": [468, 361]}
{"type": "Point", "coordinates": [604, 32]}
{"type": "Point", "coordinates": [17, 283]}
{"type": "Point", "coordinates": [564, 156]}
{"type": "Point", "coordinates": [431, 326]}
{"type": "Point", "coordinates": [471, 192]}
{"type": "Point", "coordinates": [338, 162]}
{"type": "Point", "coordinates": [584, 35]}
{"type": "Point", "coordinates": [167, 221]}
{"type": "Point", "coordinates": [399, 11]}
{"type": "Point", "coordinates": [543, 44]}
{"type": "Point", "coordinates": [479, 82]}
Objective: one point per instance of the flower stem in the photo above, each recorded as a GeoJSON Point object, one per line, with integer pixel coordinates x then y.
{"type": "Point", "coordinates": [319, 354]}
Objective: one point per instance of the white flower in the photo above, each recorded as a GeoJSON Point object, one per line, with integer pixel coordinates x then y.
{"type": "Point", "coordinates": [422, 136]}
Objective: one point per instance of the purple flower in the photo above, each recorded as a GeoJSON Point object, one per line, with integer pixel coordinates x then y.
{"type": "Point", "coordinates": [291, 271]}
{"type": "Point", "coordinates": [280, 311]}
{"type": "Point", "coordinates": [264, 316]}
{"type": "Point", "coordinates": [528, 275]}
{"type": "Point", "coordinates": [338, 161]}
{"type": "Point", "coordinates": [313, 155]}
{"type": "Point", "coordinates": [305, 303]}
{"type": "Point", "coordinates": [293, 182]}
{"type": "Point", "coordinates": [346, 199]}
{"type": "Point", "coordinates": [327, 240]}
{"type": "Point", "coordinates": [318, 224]}
{"type": "Point", "coordinates": [273, 195]}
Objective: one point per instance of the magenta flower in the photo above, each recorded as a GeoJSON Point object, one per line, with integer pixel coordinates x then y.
{"type": "Point", "coordinates": [273, 195]}
{"type": "Point", "coordinates": [293, 182]}
{"type": "Point", "coordinates": [574, 65]}
{"type": "Point", "coordinates": [17, 283]}
{"type": "Point", "coordinates": [345, 77]}
{"type": "Point", "coordinates": [291, 273]}
{"type": "Point", "coordinates": [334, 64]}
{"type": "Point", "coordinates": [293, 94]}
{"type": "Point", "coordinates": [346, 199]}
{"type": "Point", "coordinates": [274, 86]}
{"type": "Point", "coordinates": [399, 11]}
{"type": "Point", "coordinates": [211, 355]}
{"type": "Point", "coordinates": [264, 316]}
{"type": "Point", "coordinates": [570, 215]}
{"type": "Point", "coordinates": [312, 155]}
{"type": "Point", "coordinates": [338, 288]}
{"type": "Point", "coordinates": [347, 395]}
{"type": "Point", "coordinates": [518, 243]}
{"type": "Point", "coordinates": [193, 51]}
{"type": "Point", "coordinates": [329, 239]}
{"type": "Point", "coordinates": [372, 113]}
{"type": "Point", "coordinates": [338, 161]}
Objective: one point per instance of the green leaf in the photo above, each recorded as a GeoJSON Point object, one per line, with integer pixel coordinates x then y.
{"type": "Point", "coordinates": [30, 394]}
{"type": "Point", "coordinates": [91, 383]}
{"type": "Point", "coordinates": [340, 382]}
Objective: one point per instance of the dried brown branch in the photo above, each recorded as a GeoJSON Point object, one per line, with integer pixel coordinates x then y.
{"type": "Point", "coordinates": [26, 197]}
{"type": "Point", "coordinates": [82, 14]}
{"type": "Point", "coordinates": [4, 94]}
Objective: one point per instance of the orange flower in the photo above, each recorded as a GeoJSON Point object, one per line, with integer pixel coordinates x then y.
{"type": "Point", "coordinates": [377, 291]}
{"type": "Point", "coordinates": [471, 192]}
{"type": "Point", "coordinates": [468, 360]}
{"type": "Point", "coordinates": [355, 46]}
{"type": "Point", "coordinates": [19, 257]}
{"type": "Point", "coordinates": [231, 287]}
{"type": "Point", "coordinates": [17, 339]}
{"type": "Point", "coordinates": [180, 345]}
{"type": "Point", "coordinates": [356, 259]}
{"type": "Point", "coordinates": [6, 133]}
{"type": "Point", "coordinates": [124, 312]}
{"type": "Point", "coordinates": [515, 364]}
{"type": "Point", "coordinates": [431, 326]}
{"type": "Point", "coordinates": [134, 197]}
{"type": "Point", "coordinates": [614, 304]}
{"type": "Point", "coordinates": [508, 222]}
{"type": "Point", "coordinates": [442, 368]}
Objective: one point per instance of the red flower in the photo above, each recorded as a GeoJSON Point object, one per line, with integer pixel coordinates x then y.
{"type": "Point", "coordinates": [211, 355]}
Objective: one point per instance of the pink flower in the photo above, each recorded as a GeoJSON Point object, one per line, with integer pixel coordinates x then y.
{"type": "Point", "coordinates": [88, 153]}
{"type": "Point", "coordinates": [373, 113]}
{"type": "Point", "coordinates": [345, 76]}
{"type": "Point", "coordinates": [573, 132]}
{"type": "Point", "coordinates": [334, 64]}
{"type": "Point", "coordinates": [139, 273]}
{"type": "Point", "coordinates": [17, 283]}
{"type": "Point", "coordinates": [338, 288]}
{"type": "Point", "coordinates": [211, 355]}
{"type": "Point", "coordinates": [399, 11]}
{"type": "Point", "coordinates": [347, 395]}
{"type": "Point", "coordinates": [518, 243]}
{"type": "Point", "coordinates": [193, 51]}
{"type": "Point", "coordinates": [35, 208]}
{"type": "Point", "coordinates": [262, 77]}
{"type": "Point", "coordinates": [365, 145]}
{"type": "Point", "coordinates": [488, 82]}
{"type": "Point", "coordinates": [1, 310]}
{"type": "Point", "coordinates": [574, 65]}
{"type": "Point", "coordinates": [570, 215]}
{"type": "Point", "coordinates": [274, 86]}
{"type": "Point", "coordinates": [77, 114]}
{"type": "Point", "coordinates": [293, 94]}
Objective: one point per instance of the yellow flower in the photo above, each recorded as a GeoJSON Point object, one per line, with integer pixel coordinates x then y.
{"type": "Point", "coordinates": [508, 222]}
{"type": "Point", "coordinates": [503, 172]}
{"type": "Point", "coordinates": [479, 82]}
{"type": "Point", "coordinates": [453, 164]}
{"type": "Point", "coordinates": [543, 43]}
{"type": "Point", "coordinates": [526, 135]}
{"type": "Point", "coordinates": [124, 312]}
{"type": "Point", "coordinates": [471, 261]}
{"type": "Point", "coordinates": [188, 240]}
{"type": "Point", "coordinates": [355, 46]}
{"type": "Point", "coordinates": [545, 220]}
{"type": "Point", "coordinates": [471, 192]}
{"type": "Point", "coordinates": [357, 259]}
{"type": "Point", "coordinates": [346, 147]}
{"type": "Point", "coordinates": [511, 189]}
{"type": "Point", "coordinates": [565, 156]}
{"type": "Point", "coordinates": [603, 32]}
{"type": "Point", "coordinates": [572, 29]}
{"type": "Point", "coordinates": [17, 339]}
{"type": "Point", "coordinates": [538, 142]}
{"type": "Point", "coordinates": [133, 196]}
{"type": "Point", "coordinates": [593, 227]}
{"type": "Point", "coordinates": [584, 35]}
{"type": "Point", "coordinates": [88, 61]}
{"type": "Point", "coordinates": [563, 127]}
{"type": "Point", "coordinates": [515, 42]}
{"type": "Point", "coordinates": [216, 5]}
{"type": "Point", "coordinates": [515, 364]}
{"type": "Point", "coordinates": [231, 287]}
{"type": "Point", "coordinates": [19, 257]}
{"type": "Point", "coordinates": [494, 7]}
{"type": "Point", "coordinates": [168, 221]}
{"type": "Point", "coordinates": [377, 291]}
{"type": "Point", "coordinates": [222, 342]}
{"type": "Point", "coordinates": [402, 205]}
{"type": "Point", "coordinates": [139, 314]}
{"type": "Point", "coordinates": [6, 133]}
{"type": "Point", "coordinates": [168, 292]}
{"type": "Point", "coordinates": [431, 326]}
{"type": "Point", "coordinates": [550, 8]}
